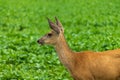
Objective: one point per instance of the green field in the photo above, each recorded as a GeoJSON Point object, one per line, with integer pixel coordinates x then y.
{"type": "Point", "coordinates": [89, 25]}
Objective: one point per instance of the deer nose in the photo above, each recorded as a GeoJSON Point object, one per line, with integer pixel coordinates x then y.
{"type": "Point", "coordinates": [40, 42]}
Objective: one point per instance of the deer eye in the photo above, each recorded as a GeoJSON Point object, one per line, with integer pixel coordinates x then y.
{"type": "Point", "coordinates": [49, 35]}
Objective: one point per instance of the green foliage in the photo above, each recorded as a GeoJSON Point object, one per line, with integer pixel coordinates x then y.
{"type": "Point", "coordinates": [89, 25]}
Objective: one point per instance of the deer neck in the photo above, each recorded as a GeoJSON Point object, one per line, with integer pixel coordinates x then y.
{"type": "Point", "coordinates": [64, 52]}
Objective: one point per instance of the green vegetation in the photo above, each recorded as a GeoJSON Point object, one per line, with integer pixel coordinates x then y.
{"type": "Point", "coordinates": [89, 25]}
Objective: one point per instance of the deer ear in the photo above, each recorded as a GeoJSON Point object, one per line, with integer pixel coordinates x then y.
{"type": "Point", "coordinates": [59, 24]}
{"type": "Point", "coordinates": [53, 26]}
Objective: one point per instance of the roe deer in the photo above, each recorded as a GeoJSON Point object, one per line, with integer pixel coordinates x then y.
{"type": "Point", "coordinates": [86, 65]}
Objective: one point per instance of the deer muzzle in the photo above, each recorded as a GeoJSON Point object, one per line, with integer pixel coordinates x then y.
{"type": "Point", "coordinates": [40, 41]}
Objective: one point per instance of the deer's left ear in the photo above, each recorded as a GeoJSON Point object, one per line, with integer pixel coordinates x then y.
{"type": "Point", "coordinates": [59, 24]}
{"type": "Point", "coordinates": [53, 26]}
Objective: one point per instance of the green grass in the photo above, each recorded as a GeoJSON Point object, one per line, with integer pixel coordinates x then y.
{"type": "Point", "coordinates": [89, 25]}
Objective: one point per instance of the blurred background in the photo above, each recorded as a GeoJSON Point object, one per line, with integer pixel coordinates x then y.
{"type": "Point", "coordinates": [89, 25]}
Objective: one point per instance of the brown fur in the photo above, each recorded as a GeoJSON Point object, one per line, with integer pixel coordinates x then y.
{"type": "Point", "coordinates": [86, 65]}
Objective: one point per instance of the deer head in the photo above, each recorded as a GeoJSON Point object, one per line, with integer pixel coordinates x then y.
{"type": "Point", "coordinates": [52, 37]}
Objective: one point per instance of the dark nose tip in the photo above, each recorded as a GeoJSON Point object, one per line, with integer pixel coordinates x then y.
{"type": "Point", "coordinates": [38, 41]}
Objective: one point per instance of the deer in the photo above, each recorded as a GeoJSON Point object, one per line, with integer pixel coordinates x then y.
{"type": "Point", "coordinates": [84, 65]}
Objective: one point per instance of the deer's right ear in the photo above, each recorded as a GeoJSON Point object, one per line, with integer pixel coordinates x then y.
{"type": "Point", "coordinates": [59, 24]}
{"type": "Point", "coordinates": [53, 26]}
